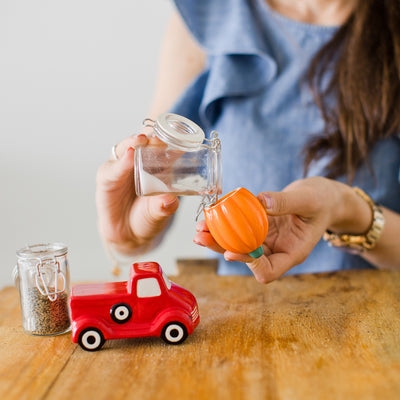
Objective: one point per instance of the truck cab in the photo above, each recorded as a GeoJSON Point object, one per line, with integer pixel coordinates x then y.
{"type": "Point", "coordinates": [148, 304]}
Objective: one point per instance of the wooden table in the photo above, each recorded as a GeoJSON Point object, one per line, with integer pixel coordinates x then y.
{"type": "Point", "coordinates": [326, 336]}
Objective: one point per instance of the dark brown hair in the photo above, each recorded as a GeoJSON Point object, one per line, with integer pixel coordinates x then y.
{"type": "Point", "coordinates": [363, 59]}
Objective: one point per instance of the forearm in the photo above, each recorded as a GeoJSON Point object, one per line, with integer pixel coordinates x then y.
{"type": "Point", "coordinates": [180, 61]}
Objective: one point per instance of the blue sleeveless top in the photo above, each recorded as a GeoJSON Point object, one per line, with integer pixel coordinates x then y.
{"type": "Point", "coordinates": [252, 92]}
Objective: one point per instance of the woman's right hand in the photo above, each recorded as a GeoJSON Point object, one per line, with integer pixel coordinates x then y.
{"type": "Point", "coordinates": [130, 223]}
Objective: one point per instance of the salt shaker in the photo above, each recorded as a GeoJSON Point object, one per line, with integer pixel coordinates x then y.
{"type": "Point", "coordinates": [184, 162]}
{"type": "Point", "coordinates": [42, 277]}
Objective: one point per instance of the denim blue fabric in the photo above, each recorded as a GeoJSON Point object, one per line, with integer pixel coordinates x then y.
{"type": "Point", "coordinates": [253, 93]}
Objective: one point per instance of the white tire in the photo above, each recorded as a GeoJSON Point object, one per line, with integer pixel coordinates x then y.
{"type": "Point", "coordinates": [91, 339]}
{"type": "Point", "coordinates": [174, 333]}
{"type": "Point", "coordinates": [121, 313]}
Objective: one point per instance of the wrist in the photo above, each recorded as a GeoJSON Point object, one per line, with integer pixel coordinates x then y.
{"type": "Point", "coordinates": [360, 242]}
{"type": "Point", "coordinates": [122, 254]}
{"type": "Point", "coordinates": [352, 215]}
{"type": "Point", "coordinates": [128, 249]}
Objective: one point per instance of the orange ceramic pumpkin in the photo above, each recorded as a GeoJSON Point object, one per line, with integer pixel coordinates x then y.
{"type": "Point", "coordinates": [238, 222]}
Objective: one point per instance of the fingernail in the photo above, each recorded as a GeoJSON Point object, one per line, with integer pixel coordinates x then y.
{"type": "Point", "coordinates": [268, 202]}
{"type": "Point", "coordinates": [142, 136]}
{"type": "Point", "coordinates": [129, 150]}
{"type": "Point", "coordinates": [227, 257]}
{"type": "Point", "coordinates": [196, 242]}
{"type": "Point", "coordinates": [168, 204]}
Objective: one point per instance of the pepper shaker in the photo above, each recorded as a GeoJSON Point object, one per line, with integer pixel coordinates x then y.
{"type": "Point", "coordinates": [43, 281]}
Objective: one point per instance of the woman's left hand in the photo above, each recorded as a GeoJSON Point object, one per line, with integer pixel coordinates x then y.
{"type": "Point", "coordinates": [298, 216]}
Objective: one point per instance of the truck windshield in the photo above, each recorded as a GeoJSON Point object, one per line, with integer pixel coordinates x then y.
{"type": "Point", "coordinates": [166, 280]}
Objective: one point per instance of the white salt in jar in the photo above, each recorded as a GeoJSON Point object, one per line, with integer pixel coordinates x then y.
{"type": "Point", "coordinates": [184, 162]}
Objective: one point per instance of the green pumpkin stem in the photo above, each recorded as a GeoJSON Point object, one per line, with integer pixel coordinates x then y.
{"type": "Point", "coordinates": [257, 252]}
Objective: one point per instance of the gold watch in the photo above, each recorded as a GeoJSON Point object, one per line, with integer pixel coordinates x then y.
{"type": "Point", "coordinates": [360, 243]}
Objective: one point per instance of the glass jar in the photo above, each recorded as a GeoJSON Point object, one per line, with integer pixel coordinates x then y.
{"type": "Point", "coordinates": [42, 277]}
{"type": "Point", "coordinates": [182, 162]}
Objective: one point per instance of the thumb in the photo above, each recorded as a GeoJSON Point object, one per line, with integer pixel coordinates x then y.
{"type": "Point", "coordinates": [283, 203]}
{"type": "Point", "coordinates": [123, 167]}
{"type": "Point", "coordinates": [116, 171]}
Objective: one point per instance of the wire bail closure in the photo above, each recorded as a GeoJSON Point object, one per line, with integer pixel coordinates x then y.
{"type": "Point", "coordinates": [206, 201]}
{"type": "Point", "coordinates": [40, 280]}
{"type": "Point", "coordinates": [148, 123]}
{"type": "Point", "coordinates": [215, 142]}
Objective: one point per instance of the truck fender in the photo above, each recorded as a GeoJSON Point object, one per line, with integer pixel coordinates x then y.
{"type": "Point", "coordinates": [174, 314]}
{"type": "Point", "coordinates": [81, 323]}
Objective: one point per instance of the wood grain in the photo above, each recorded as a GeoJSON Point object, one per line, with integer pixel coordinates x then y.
{"type": "Point", "coordinates": [326, 336]}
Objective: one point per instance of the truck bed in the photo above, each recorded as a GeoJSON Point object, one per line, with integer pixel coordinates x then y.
{"type": "Point", "coordinates": [99, 289]}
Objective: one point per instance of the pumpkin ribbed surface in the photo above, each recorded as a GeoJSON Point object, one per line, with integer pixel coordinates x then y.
{"type": "Point", "coordinates": [238, 222]}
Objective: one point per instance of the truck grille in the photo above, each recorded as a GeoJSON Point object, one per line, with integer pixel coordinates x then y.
{"type": "Point", "coordinates": [195, 313]}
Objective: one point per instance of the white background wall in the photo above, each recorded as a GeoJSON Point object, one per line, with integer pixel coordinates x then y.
{"type": "Point", "coordinates": [75, 77]}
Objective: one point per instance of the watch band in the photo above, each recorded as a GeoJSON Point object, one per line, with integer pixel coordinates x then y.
{"type": "Point", "coordinates": [360, 243]}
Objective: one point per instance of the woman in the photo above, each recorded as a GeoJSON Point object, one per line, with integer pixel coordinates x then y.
{"type": "Point", "coordinates": [305, 96]}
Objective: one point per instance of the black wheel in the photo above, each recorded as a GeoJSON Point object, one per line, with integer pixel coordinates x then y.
{"type": "Point", "coordinates": [91, 339]}
{"type": "Point", "coordinates": [121, 313]}
{"type": "Point", "coordinates": [174, 333]}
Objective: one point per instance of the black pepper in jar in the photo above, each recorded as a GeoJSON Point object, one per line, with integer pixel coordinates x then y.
{"type": "Point", "coordinates": [45, 316]}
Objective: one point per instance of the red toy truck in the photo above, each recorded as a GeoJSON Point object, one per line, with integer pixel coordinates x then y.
{"type": "Point", "coordinates": [149, 304]}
